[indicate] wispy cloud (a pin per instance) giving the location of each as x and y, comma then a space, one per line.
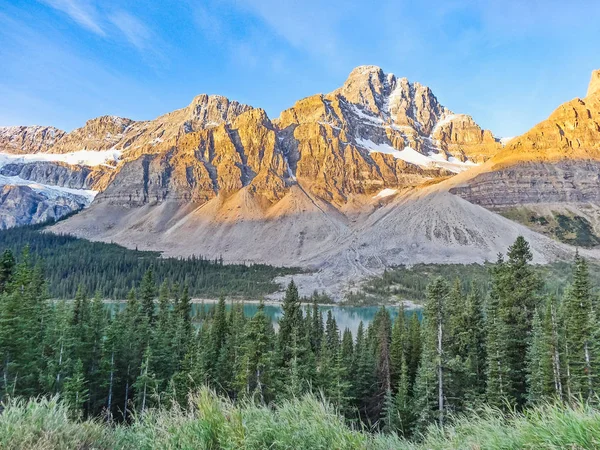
81, 11
310, 26
100, 19
134, 30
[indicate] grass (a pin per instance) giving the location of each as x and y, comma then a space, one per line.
548, 426
210, 422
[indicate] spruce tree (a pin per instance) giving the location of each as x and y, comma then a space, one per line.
430, 382
579, 325
403, 403
413, 348
255, 376
397, 347
515, 292
291, 320
75, 390
147, 294
364, 386
539, 361
7, 266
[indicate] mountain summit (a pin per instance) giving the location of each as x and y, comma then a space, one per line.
345, 183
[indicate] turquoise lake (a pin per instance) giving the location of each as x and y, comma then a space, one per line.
345, 316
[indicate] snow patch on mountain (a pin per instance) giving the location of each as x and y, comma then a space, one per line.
447, 119
412, 156
362, 115
83, 196
385, 193
82, 157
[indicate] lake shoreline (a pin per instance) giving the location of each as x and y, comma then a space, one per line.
408, 304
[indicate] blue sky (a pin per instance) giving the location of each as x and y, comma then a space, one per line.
507, 63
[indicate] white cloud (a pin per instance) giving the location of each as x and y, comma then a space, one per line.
311, 26
138, 34
82, 12
108, 23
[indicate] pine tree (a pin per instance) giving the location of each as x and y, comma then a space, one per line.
75, 391
317, 328
464, 348
397, 347
497, 367
364, 386
430, 383
539, 359
291, 320
147, 294
413, 348
58, 350
164, 339
184, 309
255, 374
579, 328
515, 288
7, 266
332, 333
403, 404
347, 350
146, 385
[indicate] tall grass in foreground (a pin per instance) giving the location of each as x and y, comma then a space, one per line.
210, 422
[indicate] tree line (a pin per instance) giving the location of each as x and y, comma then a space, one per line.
113, 270
509, 346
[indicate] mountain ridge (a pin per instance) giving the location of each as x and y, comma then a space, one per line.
345, 183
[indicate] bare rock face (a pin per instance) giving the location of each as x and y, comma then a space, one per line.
594, 85
374, 132
377, 131
460, 136
552, 169
571, 132
344, 183
154, 136
218, 160
566, 181
33, 139
22, 205
101, 133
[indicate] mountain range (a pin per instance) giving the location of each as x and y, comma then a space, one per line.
374, 174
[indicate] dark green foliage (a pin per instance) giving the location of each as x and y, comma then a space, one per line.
410, 283
564, 226
507, 347
113, 270
514, 299
575, 230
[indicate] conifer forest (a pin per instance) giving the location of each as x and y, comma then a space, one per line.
508, 347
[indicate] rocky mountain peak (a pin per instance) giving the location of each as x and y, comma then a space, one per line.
100, 133
211, 110
28, 139
594, 85
393, 99
108, 124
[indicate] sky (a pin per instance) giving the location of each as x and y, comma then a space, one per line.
507, 63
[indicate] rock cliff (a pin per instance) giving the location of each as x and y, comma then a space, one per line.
345, 183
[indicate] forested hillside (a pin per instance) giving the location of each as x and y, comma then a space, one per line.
112, 270
403, 282
510, 348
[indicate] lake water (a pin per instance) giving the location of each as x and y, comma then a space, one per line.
345, 316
